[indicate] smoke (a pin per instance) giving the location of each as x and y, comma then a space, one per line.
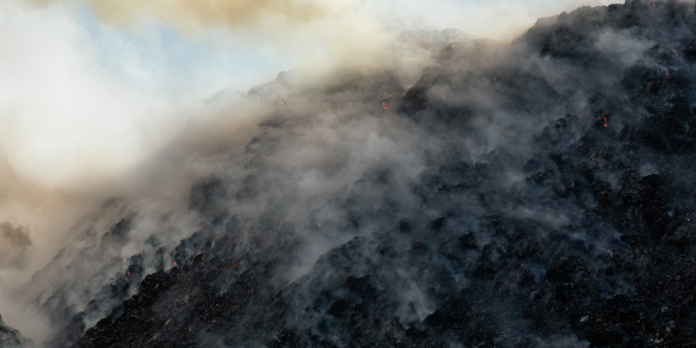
276, 17
495, 19
68, 129
16, 240
74, 134
16, 236
197, 14
106, 126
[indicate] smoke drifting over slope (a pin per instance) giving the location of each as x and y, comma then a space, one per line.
15, 241
536, 194
71, 129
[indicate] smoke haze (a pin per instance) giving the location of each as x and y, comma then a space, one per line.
75, 133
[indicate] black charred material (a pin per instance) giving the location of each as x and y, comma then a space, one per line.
575, 230
11, 338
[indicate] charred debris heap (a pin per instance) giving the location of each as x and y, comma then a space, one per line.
554, 207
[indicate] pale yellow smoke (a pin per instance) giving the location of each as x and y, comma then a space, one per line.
70, 132
197, 13
318, 33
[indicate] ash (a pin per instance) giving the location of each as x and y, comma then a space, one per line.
536, 194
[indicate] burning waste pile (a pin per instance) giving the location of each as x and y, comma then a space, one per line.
10, 337
536, 194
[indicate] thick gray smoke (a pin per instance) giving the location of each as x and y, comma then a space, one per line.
324, 204
16, 239
321, 166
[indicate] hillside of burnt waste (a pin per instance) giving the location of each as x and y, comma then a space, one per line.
534, 194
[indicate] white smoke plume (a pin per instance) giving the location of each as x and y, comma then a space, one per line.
73, 134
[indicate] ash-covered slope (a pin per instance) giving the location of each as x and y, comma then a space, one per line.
11, 338
539, 194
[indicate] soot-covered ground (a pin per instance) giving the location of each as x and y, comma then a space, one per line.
574, 227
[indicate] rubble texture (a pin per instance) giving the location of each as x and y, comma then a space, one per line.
11, 338
537, 194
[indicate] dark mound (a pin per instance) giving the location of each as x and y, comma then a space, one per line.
552, 206
11, 338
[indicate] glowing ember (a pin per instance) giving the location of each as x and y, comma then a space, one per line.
175, 264
602, 117
386, 106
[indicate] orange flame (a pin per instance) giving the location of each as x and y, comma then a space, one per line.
175, 264
604, 118
386, 106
